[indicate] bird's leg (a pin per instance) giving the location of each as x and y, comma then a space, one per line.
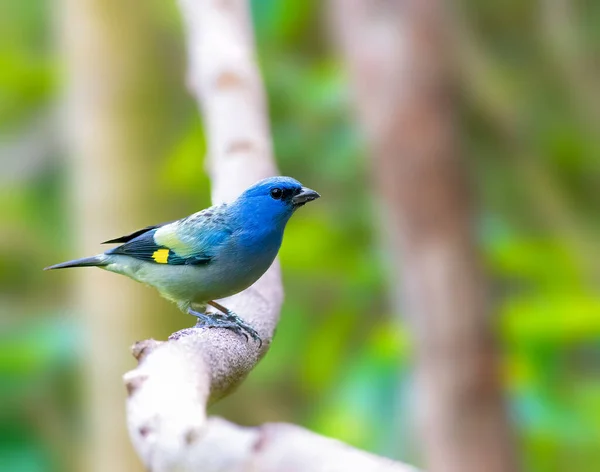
186, 307
231, 317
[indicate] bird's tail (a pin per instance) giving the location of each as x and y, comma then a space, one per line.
94, 261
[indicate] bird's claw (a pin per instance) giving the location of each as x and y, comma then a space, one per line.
244, 328
228, 321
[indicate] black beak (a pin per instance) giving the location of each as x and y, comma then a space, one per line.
305, 195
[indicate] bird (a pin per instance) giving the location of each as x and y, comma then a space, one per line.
212, 254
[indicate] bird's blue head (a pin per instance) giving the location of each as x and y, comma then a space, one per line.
272, 201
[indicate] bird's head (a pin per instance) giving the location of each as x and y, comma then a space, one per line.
276, 198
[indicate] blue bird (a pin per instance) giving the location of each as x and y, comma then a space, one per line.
211, 254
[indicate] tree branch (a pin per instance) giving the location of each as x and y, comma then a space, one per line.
175, 380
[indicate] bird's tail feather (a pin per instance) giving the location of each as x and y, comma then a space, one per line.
94, 261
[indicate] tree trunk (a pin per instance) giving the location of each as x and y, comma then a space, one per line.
114, 119
398, 56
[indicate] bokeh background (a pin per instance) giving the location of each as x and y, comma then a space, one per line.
341, 361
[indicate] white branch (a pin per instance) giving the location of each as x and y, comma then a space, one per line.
175, 380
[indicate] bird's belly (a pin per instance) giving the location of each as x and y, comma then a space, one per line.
180, 283
197, 283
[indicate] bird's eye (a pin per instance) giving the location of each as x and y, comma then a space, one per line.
276, 193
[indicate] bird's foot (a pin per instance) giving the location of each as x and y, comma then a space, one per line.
227, 320
231, 317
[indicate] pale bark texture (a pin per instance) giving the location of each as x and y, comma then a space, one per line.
398, 54
175, 380
113, 123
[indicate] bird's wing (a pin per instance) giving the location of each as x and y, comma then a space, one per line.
194, 240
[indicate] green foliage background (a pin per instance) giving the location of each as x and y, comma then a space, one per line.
339, 364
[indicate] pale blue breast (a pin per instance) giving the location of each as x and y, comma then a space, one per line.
244, 259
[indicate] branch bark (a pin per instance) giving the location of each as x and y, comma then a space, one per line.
175, 380
398, 56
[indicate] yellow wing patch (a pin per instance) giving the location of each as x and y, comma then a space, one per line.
161, 256
166, 236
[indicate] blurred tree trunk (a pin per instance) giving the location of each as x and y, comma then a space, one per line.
115, 116
398, 57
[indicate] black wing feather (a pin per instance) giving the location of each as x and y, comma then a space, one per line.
135, 234
142, 247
